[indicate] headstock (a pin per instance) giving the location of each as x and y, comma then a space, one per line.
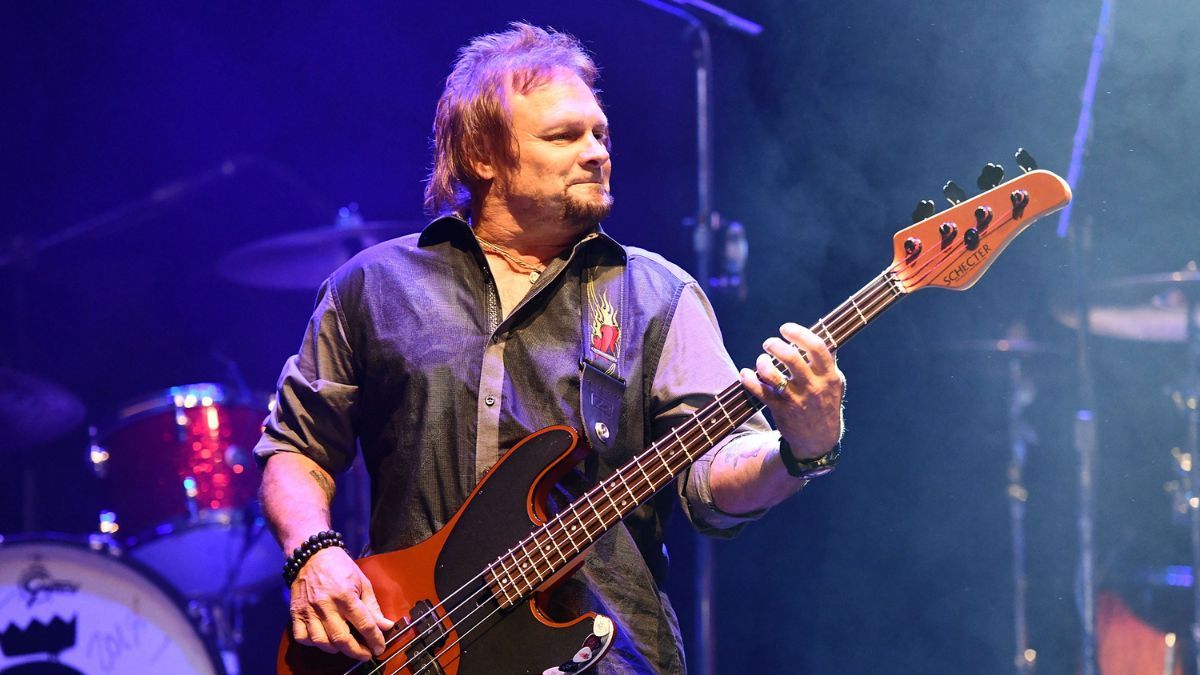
952, 249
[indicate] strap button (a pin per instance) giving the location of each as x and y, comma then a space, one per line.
602, 430
490, 401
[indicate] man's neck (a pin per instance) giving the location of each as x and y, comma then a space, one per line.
529, 237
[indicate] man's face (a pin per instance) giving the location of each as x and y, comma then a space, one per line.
563, 165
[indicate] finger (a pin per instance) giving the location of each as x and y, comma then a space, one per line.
751, 383
368, 595
820, 359
340, 638
774, 381
317, 637
300, 632
363, 620
791, 357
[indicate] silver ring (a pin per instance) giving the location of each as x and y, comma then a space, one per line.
783, 383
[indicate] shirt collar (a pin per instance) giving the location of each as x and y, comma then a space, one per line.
453, 228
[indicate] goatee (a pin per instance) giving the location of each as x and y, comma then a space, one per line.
586, 213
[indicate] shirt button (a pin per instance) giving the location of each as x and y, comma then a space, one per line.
490, 401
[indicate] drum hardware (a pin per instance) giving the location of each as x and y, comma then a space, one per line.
1017, 348
302, 260
222, 620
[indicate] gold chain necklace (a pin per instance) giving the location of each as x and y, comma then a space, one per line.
535, 271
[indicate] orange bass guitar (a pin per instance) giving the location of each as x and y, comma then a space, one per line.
468, 598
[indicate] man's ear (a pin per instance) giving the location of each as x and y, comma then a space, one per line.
483, 170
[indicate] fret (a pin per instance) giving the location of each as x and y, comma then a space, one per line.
829, 341
721, 406
580, 523
521, 566
508, 576
683, 446
528, 564
615, 505
501, 585
637, 461
625, 484
658, 452
556, 548
700, 423
599, 517
865, 320
542, 550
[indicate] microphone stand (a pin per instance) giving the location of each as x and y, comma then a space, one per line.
707, 226
1085, 423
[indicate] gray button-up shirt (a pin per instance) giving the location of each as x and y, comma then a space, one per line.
407, 358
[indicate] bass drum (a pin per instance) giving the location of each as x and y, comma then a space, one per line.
68, 609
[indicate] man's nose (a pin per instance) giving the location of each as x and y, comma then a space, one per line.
596, 152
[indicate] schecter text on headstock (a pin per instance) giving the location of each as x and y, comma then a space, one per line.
976, 257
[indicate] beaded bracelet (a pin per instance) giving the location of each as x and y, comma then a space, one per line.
296, 561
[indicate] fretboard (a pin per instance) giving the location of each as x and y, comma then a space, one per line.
572, 530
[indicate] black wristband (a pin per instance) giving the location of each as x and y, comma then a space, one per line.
808, 468
300, 556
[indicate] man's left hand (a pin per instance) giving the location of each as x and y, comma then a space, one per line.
807, 407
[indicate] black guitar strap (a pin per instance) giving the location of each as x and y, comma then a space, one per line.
603, 290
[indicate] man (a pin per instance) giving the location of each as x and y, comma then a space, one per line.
435, 352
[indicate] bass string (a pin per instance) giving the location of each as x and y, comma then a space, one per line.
871, 298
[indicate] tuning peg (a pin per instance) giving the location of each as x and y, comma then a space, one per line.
924, 209
990, 177
954, 194
1025, 160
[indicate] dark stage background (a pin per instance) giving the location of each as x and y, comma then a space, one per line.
829, 127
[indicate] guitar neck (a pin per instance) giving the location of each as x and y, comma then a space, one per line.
553, 546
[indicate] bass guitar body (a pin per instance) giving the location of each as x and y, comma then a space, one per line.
452, 616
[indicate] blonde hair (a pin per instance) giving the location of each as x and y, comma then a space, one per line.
473, 124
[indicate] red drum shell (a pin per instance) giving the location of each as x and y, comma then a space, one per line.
176, 454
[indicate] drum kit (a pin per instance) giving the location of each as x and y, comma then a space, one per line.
181, 545
1152, 308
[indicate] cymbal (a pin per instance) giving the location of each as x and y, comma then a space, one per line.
1143, 323
302, 260
1125, 312
34, 411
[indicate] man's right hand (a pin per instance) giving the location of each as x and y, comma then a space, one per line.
330, 596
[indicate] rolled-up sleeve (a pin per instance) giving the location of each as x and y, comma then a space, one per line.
693, 367
317, 394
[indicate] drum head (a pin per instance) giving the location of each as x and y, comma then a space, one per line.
67, 609
213, 555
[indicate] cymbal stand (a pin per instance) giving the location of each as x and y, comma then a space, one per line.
1020, 435
221, 619
1192, 451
